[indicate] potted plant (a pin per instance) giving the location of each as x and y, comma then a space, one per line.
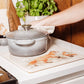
31, 10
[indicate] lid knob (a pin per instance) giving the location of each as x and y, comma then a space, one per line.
26, 27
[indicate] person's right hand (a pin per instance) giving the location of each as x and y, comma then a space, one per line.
42, 22
36, 23
43, 26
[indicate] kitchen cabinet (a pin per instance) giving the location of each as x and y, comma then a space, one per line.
79, 80
78, 30
63, 32
74, 78
73, 33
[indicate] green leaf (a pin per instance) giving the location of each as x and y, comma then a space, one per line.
52, 1
18, 3
17, 9
31, 12
51, 7
20, 13
24, 19
37, 13
35, 7
25, 3
35, 4
40, 6
23, 9
55, 8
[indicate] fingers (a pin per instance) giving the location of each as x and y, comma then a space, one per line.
43, 26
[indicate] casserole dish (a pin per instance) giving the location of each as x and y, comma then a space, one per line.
27, 43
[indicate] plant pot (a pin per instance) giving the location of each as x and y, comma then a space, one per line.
29, 19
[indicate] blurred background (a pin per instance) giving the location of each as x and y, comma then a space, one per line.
73, 33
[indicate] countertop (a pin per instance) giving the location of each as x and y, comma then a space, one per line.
45, 75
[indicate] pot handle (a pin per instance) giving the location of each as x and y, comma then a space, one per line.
24, 42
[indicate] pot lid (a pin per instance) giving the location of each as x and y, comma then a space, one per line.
25, 35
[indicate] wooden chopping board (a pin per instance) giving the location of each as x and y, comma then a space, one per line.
12, 16
3, 77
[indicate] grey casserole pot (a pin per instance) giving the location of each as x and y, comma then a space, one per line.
27, 43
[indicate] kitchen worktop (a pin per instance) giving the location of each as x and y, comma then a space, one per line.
45, 75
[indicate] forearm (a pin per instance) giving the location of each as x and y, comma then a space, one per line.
71, 15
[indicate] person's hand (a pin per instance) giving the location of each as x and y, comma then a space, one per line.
35, 23
38, 23
43, 26
42, 22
